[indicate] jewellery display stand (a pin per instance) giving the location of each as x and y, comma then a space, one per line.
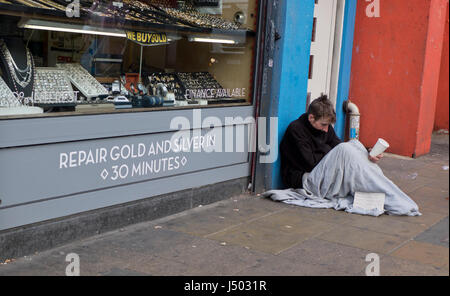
20, 78
17, 65
175, 91
52, 87
170, 80
198, 80
21, 110
85, 82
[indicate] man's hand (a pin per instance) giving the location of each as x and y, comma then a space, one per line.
375, 159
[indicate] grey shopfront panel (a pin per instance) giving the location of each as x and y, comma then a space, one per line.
62, 166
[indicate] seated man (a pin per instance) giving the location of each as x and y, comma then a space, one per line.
307, 140
323, 172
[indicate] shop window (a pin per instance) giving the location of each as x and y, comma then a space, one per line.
60, 58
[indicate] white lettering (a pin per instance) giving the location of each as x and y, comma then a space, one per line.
373, 269
136, 170
82, 157
63, 157
159, 148
141, 150
151, 150
72, 159
167, 146
373, 9
103, 154
73, 269
73, 9
90, 157
125, 155
114, 156
269, 152
177, 162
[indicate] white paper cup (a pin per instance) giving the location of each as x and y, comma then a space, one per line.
379, 147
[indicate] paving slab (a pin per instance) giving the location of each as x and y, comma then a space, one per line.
279, 266
157, 266
437, 234
151, 241
95, 258
363, 239
20, 268
212, 257
392, 266
432, 199
290, 222
409, 182
387, 224
433, 194
424, 253
437, 169
442, 185
258, 238
339, 258
223, 216
273, 233
391, 163
325, 215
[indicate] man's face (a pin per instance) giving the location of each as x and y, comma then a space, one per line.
321, 124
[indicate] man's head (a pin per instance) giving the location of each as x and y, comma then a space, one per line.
321, 113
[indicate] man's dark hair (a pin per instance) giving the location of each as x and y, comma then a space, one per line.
322, 108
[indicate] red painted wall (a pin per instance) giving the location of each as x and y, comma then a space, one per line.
442, 106
430, 77
395, 72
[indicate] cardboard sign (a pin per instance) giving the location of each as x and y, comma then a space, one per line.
147, 39
369, 201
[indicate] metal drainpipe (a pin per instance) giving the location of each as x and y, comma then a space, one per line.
352, 110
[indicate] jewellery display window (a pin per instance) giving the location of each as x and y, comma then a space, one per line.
60, 57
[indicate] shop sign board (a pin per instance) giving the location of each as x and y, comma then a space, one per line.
43, 172
146, 38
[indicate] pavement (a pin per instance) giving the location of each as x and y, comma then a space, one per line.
249, 235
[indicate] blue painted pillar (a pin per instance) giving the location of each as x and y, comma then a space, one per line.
291, 67
345, 66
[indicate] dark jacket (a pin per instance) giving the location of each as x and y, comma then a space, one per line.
302, 148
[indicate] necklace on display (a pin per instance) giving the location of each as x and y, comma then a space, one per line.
20, 76
7, 98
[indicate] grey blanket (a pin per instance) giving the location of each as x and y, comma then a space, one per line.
345, 170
